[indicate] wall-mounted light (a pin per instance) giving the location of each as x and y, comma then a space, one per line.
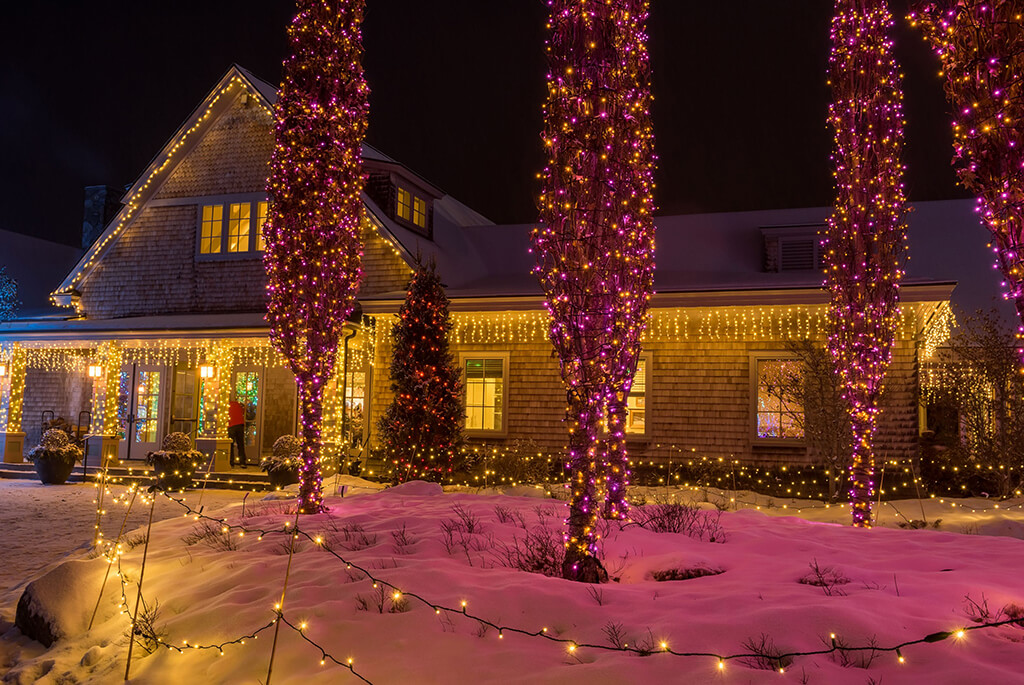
95, 371
205, 371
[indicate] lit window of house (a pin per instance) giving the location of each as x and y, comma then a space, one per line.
636, 402
210, 229
419, 212
484, 382
238, 227
262, 209
404, 209
779, 408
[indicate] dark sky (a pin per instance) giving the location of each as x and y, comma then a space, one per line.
89, 92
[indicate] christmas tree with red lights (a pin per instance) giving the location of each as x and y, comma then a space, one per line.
422, 427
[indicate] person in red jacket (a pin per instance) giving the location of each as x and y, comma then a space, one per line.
236, 431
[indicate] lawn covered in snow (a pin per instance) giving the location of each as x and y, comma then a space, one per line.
730, 582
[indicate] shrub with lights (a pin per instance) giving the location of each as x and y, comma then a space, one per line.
595, 250
980, 44
867, 230
422, 428
312, 231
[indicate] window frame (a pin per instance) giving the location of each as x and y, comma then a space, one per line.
762, 356
225, 201
648, 359
484, 354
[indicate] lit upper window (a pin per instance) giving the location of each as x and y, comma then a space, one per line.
404, 210
780, 412
238, 227
262, 209
209, 235
419, 212
485, 393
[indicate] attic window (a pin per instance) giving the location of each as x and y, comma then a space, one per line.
231, 229
412, 210
404, 207
419, 212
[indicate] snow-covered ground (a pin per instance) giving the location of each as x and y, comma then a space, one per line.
882, 587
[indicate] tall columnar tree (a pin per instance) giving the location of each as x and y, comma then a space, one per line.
980, 44
313, 228
595, 250
866, 232
422, 427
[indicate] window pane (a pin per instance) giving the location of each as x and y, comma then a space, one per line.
635, 422
404, 209
419, 213
262, 208
238, 227
779, 398
210, 229
485, 390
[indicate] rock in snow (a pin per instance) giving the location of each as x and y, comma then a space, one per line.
60, 603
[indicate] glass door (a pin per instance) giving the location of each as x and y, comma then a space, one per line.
139, 409
183, 404
246, 386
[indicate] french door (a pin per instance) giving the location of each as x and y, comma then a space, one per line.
140, 409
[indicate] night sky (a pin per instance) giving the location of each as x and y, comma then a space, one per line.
89, 92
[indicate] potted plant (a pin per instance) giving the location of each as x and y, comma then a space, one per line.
55, 457
175, 463
282, 466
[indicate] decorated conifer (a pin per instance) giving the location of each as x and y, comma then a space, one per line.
423, 426
313, 228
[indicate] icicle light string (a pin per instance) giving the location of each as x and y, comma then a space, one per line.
571, 645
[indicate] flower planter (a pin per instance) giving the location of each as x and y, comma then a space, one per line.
171, 474
53, 471
281, 478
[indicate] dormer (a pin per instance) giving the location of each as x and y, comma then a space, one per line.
405, 197
793, 248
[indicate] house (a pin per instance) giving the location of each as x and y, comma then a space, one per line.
164, 316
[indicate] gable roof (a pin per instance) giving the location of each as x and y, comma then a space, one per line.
235, 82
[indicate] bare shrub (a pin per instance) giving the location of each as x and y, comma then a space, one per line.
827, 578
146, 633
211, 535
353, 537
615, 633
540, 550
402, 540
596, 594
848, 657
764, 655
381, 598
673, 517
470, 522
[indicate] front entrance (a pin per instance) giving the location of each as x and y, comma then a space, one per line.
140, 409
246, 389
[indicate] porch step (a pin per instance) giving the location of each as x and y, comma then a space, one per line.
139, 472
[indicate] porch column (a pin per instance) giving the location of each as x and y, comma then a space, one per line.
104, 401
222, 361
12, 438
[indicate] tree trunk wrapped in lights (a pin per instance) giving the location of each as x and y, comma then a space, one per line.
595, 251
313, 228
980, 44
866, 232
422, 427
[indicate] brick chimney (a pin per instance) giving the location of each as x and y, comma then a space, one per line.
102, 203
